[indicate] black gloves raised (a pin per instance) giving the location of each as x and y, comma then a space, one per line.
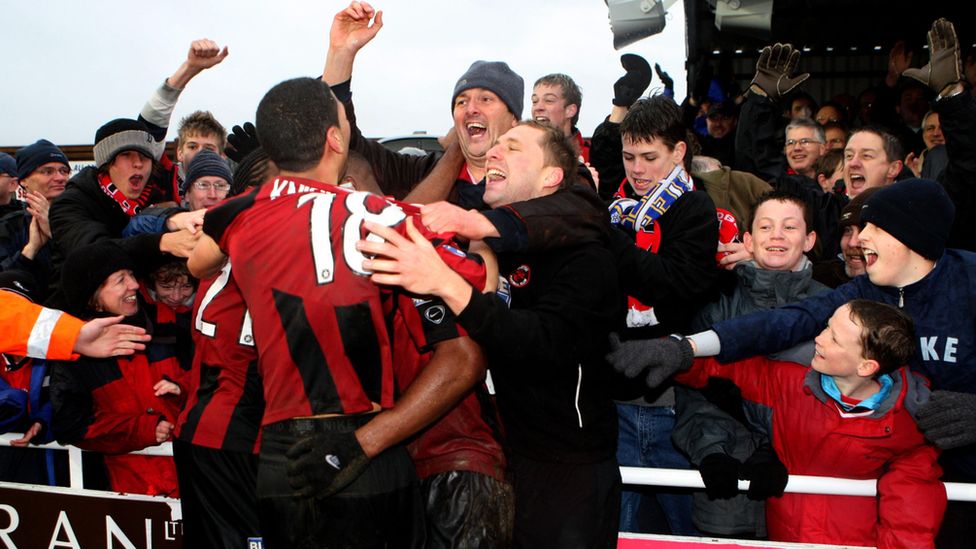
665, 77
776, 64
948, 419
324, 463
631, 86
241, 141
660, 358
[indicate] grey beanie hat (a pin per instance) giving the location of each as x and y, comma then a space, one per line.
497, 77
125, 134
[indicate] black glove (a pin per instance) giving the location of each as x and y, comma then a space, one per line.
631, 86
241, 141
720, 472
660, 358
324, 463
945, 62
766, 474
776, 64
665, 77
948, 419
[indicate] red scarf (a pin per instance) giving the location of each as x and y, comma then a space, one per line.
129, 206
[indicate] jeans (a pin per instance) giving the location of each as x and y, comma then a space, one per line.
645, 441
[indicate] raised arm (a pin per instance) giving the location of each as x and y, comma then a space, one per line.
158, 109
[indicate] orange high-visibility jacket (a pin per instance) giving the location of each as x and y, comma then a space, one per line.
36, 331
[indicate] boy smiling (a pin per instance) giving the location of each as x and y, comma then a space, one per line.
849, 415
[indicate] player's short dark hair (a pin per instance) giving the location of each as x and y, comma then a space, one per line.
253, 170
292, 121
656, 117
887, 334
783, 196
558, 151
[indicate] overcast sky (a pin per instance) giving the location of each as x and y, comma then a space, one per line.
71, 66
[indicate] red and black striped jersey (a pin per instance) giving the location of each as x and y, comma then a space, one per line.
464, 439
226, 400
319, 327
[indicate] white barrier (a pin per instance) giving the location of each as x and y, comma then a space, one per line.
798, 484
678, 478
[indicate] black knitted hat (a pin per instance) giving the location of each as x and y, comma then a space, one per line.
37, 154
917, 212
86, 269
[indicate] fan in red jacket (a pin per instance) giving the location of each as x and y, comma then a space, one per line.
117, 405
850, 415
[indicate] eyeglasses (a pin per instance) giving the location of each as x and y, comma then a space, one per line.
50, 170
204, 186
790, 143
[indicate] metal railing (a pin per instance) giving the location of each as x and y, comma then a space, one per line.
676, 478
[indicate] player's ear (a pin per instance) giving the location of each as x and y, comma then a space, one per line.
334, 141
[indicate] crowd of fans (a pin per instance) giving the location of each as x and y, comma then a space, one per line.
340, 369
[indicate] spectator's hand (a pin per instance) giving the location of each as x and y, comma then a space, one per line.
105, 337
166, 387
179, 243
659, 358
720, 473
204, 54
38, 206
191, 221
945, 66
948, 419
914, 163
324, 463
593, 173
36, 239
241, 141
665, 77
164, 430
774, 69
411, 263
766, 474
899, 60
734, 253
351, 29
444, 217
29, 434
629, 87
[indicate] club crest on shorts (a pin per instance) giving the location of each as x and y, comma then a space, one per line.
520, 276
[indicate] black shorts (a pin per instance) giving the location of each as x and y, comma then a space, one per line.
381, 508
565, 505
468, 509
217, 494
